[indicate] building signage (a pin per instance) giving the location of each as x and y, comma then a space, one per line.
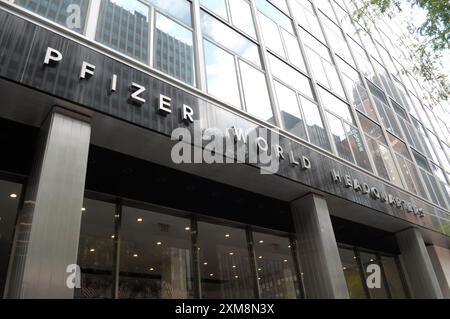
366, 190
137, 97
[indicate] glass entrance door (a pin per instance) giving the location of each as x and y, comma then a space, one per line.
9, 204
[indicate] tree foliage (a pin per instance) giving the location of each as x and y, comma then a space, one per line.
427, 44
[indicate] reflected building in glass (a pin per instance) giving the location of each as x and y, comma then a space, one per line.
112, 176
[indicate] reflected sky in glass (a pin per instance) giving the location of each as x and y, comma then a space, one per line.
221, 74
174, 29
180, 9
229, 38
133, 6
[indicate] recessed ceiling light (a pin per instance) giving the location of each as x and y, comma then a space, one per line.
261, 241
260, 257
259, 269
13, 195
234, 267
231, 254
211, 275
188, 228
289, 246
227, 235
159, 243
83, 209
345, 268
285, 260
135, 255
152, 269
92, 250
237, 277
205, 263
113, 236
371, 260
140, 220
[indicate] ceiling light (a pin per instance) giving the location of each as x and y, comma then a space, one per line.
211, 275
285, 260
231, 254
92, 250
259, 269
187, 228
13, 195
152, 269
113, 236
237, 277
261, 241
140, 220
234, 267
159, 243
227, 235
260, 257
205, 263
135, 255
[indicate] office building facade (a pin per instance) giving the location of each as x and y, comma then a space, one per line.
114, 185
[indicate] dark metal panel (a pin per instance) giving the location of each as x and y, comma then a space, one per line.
27, 44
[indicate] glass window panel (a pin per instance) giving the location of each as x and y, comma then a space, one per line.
393, 277
390, 165
155, 256
96, 251
9, 205
371, 259
399, 146
276, 271
180, 9
357, 145
340, 138
242, 16
272, 35
335, 105
353, 276
275, 15
291, 115
317, 134
174, 52
217, 6
230, 38
124, 26
220, 69
304, 12
372, 129
293, 50
290, 76
58, 11
377, 151
256, 95
224, 263
281, 4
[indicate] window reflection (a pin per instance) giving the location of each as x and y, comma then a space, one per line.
179, 9
155, 256
57, 10
229, 38
290, 76
174, 53
353, 276
221, 70
124, 26
96, 251
9, 204
224, 263
393, 277
291, 116
276, 271
255, 92
340, 137
316, 130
